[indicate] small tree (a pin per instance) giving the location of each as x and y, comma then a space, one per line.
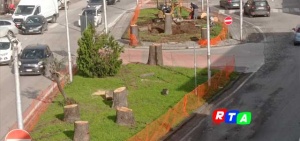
53, 73
98, 55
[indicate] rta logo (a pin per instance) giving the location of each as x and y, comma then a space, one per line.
231, 117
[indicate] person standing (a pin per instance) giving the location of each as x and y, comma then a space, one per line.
195, 11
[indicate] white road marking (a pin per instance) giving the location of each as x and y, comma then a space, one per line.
53, 25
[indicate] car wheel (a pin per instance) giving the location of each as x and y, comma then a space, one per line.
53, 19
10, 34
295, 44
42, 31
250, 15
268, 15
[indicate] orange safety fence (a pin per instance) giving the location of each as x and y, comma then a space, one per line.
133, 39
214, 41
189, 103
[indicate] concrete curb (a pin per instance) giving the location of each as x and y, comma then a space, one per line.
203, 107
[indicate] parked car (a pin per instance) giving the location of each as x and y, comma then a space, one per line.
7, 49
34, 24
257, 7
296, 38
92, 12
8, 27
230, 4
34, 59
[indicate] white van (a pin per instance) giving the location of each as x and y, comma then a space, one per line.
46, 8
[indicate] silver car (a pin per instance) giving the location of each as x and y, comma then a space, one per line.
296, 38
8, 27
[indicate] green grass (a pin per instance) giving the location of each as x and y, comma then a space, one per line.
144, 98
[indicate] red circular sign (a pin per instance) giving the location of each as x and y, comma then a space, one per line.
17, 135
228, 20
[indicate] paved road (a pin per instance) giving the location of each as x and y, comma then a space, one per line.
56, 39
271, 94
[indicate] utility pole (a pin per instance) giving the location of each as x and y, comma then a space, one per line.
202, 5
208, 42
18, 93
137, 2
105, 17
195, 68
241, 20
68, 40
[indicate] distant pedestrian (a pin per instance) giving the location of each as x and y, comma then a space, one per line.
195, 11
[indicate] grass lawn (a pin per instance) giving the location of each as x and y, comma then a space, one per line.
144, 98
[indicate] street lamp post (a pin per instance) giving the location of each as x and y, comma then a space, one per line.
105, 17
208, 42
241, 20
18, 93
68, 39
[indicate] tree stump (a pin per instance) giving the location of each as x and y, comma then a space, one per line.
155, 55
120, 97
125, 116
81, 131
168, 23
109, 95
71, 113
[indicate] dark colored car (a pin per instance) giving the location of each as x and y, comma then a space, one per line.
296, 38
257, 8
34, 24
34, 59
230, 4
92, 3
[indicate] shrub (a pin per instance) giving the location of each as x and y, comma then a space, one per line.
98, 55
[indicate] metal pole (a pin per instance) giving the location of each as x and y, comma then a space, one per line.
208, 42
105, 17
202, 5
137, 2
195, 67
68, 39
241, 20
18, 95
86, 21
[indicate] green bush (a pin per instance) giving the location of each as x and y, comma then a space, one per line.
98, 55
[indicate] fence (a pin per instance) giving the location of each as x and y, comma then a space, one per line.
190, 102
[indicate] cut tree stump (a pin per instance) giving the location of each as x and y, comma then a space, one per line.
155, 55
125, 116
168, 24
71, 113
120, 97
81, 131
109, 95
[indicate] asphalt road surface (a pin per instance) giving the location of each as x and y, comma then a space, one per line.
271, 94
56, 38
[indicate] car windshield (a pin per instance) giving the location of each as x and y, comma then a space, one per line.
89, 12
4, 45
32, 20
32, 54
260, 3
25, 10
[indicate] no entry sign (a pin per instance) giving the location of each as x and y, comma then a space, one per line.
18, 135
228, 20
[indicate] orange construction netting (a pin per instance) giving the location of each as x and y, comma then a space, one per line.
217, 39
133, 39
189, 103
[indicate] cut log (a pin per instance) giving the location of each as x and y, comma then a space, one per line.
120, 97
71, 113
81, 131
109, 95
125, 116
155, 55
